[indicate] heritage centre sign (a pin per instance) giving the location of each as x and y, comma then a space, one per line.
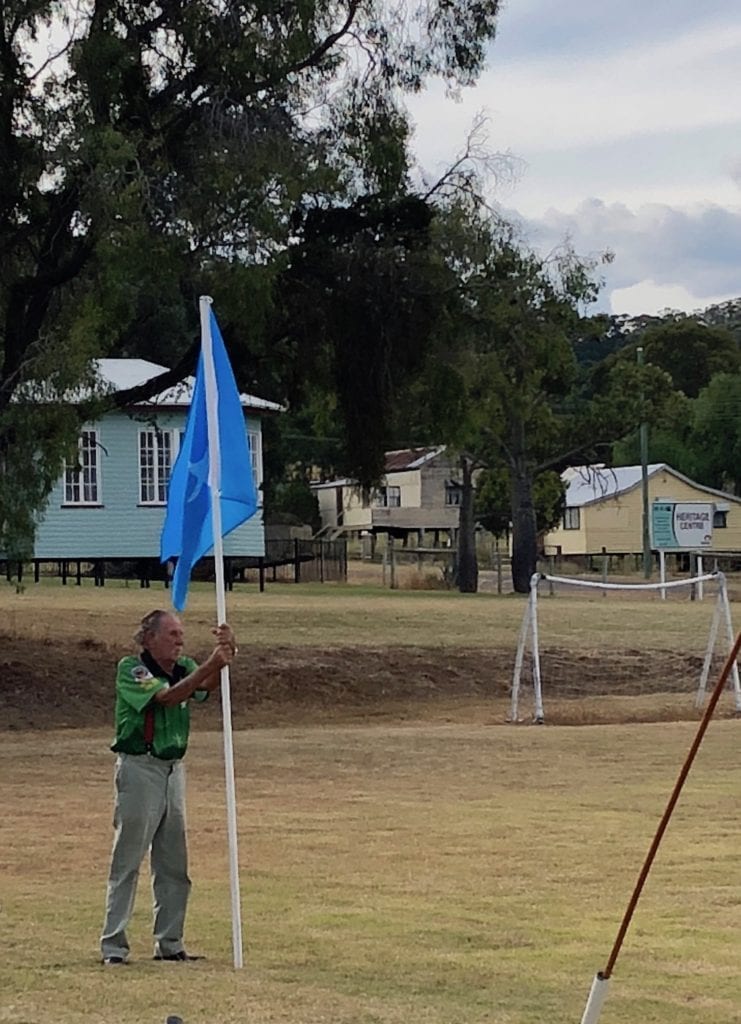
681, 525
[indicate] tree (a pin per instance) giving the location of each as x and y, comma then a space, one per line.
503, 383
715, 438
362, 299
493, 506
519, 370
159, 153
690, 352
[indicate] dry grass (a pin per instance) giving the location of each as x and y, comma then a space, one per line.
340, 616
437, 874
428, 872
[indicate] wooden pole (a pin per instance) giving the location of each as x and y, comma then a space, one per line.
653, 850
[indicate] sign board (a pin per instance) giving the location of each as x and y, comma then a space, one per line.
681, 525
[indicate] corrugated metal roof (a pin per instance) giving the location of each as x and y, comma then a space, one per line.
396, 462
121, 374
410, 458
588, 484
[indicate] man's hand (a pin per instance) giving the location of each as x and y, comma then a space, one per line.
220, 656
225, 637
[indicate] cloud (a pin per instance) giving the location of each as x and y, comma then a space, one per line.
684, 82
629, 103
650, 297
686, 257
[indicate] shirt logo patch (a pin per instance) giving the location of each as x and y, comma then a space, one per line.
143, 676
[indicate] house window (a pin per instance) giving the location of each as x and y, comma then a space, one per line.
453, 493
387, 497
155, 465
720, 519
82, 481
254, 439
572, 519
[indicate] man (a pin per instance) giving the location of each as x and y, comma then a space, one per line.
153, 692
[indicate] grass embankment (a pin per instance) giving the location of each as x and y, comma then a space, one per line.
446, 874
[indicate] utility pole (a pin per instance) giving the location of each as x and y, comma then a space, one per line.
647, 561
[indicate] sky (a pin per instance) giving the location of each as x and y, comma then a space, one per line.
626, 119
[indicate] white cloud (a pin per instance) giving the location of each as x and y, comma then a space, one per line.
628, 124
652, 298
668, 256
689, 82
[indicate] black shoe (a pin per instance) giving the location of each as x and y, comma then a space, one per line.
181, 956
113, 961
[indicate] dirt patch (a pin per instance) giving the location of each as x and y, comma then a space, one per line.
59, 683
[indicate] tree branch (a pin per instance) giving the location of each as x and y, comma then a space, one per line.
565, 457
155, 385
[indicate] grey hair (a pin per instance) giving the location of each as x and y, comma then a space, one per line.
148, 625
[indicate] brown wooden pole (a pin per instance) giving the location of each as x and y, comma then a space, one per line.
712, 702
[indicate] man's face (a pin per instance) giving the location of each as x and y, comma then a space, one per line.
166, 643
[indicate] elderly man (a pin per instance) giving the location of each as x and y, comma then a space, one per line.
153, 691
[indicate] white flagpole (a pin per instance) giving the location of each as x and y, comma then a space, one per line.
214, 481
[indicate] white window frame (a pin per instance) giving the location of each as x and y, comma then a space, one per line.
154, 477
387, 497
572, 518
82, 482
254, 441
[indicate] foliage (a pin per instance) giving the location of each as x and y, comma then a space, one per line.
701, 438
293, 499
716, 433
160, 152
510, 374
691, 353
494, 505
360, 303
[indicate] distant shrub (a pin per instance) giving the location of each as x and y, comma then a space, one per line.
424, 581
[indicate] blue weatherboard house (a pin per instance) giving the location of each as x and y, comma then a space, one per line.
110, 503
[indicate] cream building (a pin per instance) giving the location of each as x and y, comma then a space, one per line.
604, 510
419, 493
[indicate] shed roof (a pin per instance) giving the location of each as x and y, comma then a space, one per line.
121, 374
399, 461
411, 458
586, 485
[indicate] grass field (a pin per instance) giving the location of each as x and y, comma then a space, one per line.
436, 874
357, 616
439, 872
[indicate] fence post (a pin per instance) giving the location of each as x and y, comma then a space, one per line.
296, 562
392, 562
321, 561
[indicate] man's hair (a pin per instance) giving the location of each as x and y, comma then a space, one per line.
148, 625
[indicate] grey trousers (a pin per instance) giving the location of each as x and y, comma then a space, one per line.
149, 815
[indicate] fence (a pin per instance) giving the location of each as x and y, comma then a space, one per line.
296, 560
291, 560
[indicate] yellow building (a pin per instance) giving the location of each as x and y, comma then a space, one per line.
604, 510
419, 492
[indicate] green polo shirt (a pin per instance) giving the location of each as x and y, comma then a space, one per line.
138, 679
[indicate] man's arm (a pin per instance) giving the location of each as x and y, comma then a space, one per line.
205, 677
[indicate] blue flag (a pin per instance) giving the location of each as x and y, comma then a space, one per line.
188, 532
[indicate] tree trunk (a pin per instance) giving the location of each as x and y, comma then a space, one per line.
524, 531
467, 571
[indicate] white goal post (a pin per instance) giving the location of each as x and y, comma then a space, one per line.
529, 660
